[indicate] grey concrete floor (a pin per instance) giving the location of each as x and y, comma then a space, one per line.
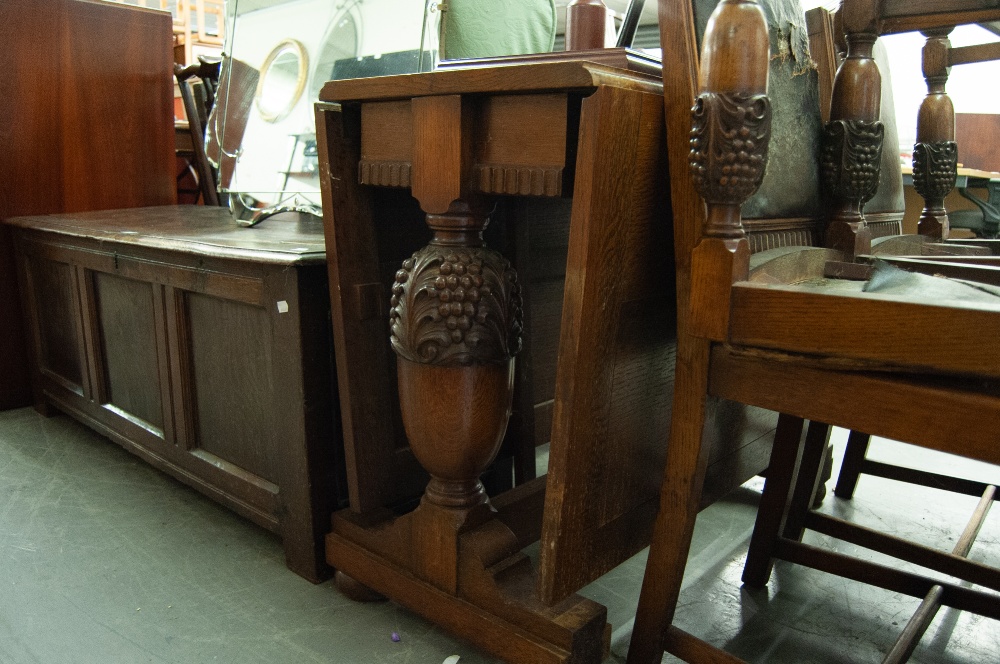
105, 560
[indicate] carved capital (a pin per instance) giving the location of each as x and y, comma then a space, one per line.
456, 306
729, 140
851, 157
935, 167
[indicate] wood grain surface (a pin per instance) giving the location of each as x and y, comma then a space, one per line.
87, 97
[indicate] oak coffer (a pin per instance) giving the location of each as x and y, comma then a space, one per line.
202, 347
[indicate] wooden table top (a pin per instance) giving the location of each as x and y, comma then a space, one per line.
511, 75
196, 229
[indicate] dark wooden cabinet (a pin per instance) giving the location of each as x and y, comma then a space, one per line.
86, 98
202, 347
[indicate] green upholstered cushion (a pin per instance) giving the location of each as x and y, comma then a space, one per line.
487, 28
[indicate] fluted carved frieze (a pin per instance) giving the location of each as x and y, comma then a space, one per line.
518, 179
384, 173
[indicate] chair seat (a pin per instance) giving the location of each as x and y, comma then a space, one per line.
899, 327
961, 415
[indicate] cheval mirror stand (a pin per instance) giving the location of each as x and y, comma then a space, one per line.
564, 161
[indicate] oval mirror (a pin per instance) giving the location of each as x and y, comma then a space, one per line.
340, 43
282, 80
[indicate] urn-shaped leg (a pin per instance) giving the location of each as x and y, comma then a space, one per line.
456, 326
455, 419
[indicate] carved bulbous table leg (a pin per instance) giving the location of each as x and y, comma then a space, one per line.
456, 326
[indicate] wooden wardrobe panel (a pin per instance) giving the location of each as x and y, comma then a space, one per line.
86, 96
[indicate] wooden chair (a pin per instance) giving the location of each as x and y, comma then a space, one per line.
778, 330
199, 98
934, 167
937, 123
936, 155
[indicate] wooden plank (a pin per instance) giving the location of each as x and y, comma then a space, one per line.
903, 18
542, 77
889, 578
363, 358
458, 616
95, 71
797, 320
882, 404
241, 283
616, 349
304, 460
194, 231
968, 54
986, 270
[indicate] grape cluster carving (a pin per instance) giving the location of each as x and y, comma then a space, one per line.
935, 168
456, 307
851, 158
729, 140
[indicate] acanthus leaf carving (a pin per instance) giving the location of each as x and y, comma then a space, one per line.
935, 169
851, 159
455, 307
730, 134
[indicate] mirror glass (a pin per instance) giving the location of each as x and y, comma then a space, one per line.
278, 55
282, 79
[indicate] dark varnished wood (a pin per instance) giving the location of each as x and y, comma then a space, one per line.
204, 355
604, 517
977, 133
92, 127
711, 250
774, 366
533, 77
586, 23
594, 374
